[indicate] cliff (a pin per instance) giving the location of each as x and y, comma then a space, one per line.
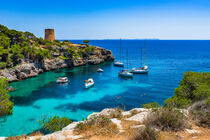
27, 69
23, 55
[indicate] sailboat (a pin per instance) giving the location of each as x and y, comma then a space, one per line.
125, 72
143, 69
90, 82
119, 63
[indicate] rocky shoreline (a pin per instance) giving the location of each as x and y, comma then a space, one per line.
129, 120
31, 69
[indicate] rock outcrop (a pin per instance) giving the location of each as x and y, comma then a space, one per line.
31, 69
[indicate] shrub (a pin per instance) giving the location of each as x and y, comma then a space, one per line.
200, 112
116, 113
151, 105
167, 119
6, 105
86, 41
193, 87
147, 133
62, 57
55, 124
97, 125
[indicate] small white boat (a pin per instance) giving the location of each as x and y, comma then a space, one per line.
141, 70
99, 70
61, 80
119, 64
89, 83
125, 73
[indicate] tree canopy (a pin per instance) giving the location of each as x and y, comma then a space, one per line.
6, 105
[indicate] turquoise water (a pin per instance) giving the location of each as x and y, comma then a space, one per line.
40, 97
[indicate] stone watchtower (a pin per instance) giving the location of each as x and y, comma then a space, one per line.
49, 34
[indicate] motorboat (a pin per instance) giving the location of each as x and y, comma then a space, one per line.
119, 64
89, 83
100, 70
61, 80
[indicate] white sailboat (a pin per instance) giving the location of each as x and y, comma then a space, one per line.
119, 63
125, 72
143, 69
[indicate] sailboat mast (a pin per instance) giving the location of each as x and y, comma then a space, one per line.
141, 57
127, 58
120, 48
145, 51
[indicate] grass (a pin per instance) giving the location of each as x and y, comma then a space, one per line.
96, 125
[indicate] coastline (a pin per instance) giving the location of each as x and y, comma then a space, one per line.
31, 69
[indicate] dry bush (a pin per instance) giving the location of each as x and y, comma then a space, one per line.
200, 112
97, 125
117, 113
22, 137
37, 133
146, 133
167, 119
134, 112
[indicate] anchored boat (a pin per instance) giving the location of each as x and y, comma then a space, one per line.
61, 80
125, 72
89, 83
99, 70
143, 69
119, 63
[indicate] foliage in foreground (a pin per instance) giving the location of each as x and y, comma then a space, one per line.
55, 124
200, 112
6, 105
98, 125
148, 133
151, 105
167, 119
193, 87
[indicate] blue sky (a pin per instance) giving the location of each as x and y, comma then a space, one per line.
110, 19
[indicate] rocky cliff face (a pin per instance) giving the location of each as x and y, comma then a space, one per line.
31, 69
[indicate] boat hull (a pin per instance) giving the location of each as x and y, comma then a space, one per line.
119, 64
89, 85
140, 72
125, 75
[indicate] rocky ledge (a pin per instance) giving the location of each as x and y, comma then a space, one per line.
30, 69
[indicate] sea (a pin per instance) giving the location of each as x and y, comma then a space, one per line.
40, 97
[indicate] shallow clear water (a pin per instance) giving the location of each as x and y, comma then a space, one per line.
40, 97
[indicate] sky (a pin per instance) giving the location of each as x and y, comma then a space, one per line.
110, 19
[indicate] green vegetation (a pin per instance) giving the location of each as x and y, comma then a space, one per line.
193, 87
16, 46
6, 105
55, 124
151, 105
86, 41
167, 119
